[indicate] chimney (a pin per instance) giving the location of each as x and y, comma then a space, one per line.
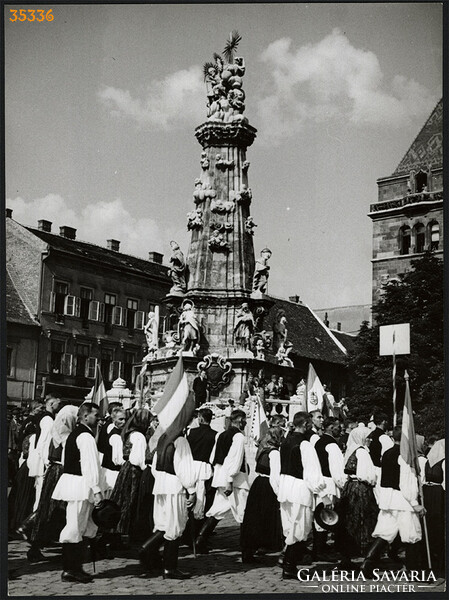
155, 257
67, 232
294, 299
8, 213
338, 326
44, 225
326, 320
114, 245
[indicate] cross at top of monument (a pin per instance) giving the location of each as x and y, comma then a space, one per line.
223, 77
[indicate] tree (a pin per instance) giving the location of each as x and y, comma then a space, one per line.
417, 298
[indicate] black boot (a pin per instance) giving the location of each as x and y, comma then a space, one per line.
71, 564
320, 550
206, 529
34, 554
414, 556
394, 549
171, 570
375, 551
27, 526
289, 570
149, 553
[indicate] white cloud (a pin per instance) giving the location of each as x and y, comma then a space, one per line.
178, 98
333, 79
96, 222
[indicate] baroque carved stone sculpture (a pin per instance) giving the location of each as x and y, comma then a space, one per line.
250, 225
195, 219
178, 270
189, 330
217, 242
243, 328
261, 271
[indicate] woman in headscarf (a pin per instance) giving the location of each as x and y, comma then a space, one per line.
357, 508
145, 498
50, 514
261, 527
126, 489
422, 460
434, 490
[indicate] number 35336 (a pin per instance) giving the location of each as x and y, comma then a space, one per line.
30, 15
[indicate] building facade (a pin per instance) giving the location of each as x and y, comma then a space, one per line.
408, 216
90, 303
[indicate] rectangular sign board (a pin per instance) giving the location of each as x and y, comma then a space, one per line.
395, 337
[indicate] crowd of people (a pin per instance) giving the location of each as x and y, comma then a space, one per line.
324, 490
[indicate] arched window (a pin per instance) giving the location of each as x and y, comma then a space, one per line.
421, 182
420, 237
405, 238
434, 231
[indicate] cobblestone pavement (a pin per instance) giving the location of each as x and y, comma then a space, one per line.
219, 572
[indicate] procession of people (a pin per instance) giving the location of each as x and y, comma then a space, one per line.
324, 489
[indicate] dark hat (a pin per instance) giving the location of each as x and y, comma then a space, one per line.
106, 514
326, 518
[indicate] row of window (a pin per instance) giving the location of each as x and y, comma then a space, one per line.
81, 364
86, 308
417, 240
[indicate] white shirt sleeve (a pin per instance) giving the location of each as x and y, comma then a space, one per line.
43, 443
90, 461
366, 471
233, 461
311, 468
386, 442
408, 482
443, 466
117, 449
336, 465
275, 470
184, 465
138, 447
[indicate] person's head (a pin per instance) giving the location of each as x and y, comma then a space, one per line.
231, 402
52, 403
396, 435
350, 426
138, 421
332, 426
274, 378
202, 373
174, 245
238, 419
317, 419
113, 405
278, 421
300, 421
250, 377
88, 414
280, 380
380, 419
205, 416
118, 417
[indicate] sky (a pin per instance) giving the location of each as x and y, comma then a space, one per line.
101, 105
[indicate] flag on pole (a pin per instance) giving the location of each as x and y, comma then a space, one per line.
174, 408
408, 448
315, 390
99, 395
259, 422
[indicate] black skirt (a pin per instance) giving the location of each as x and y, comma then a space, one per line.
434, 503
357, 510
261, 527
125, 494
21, 498
145, 502
50, 514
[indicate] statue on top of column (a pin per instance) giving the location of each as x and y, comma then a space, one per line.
178, 270
223, 78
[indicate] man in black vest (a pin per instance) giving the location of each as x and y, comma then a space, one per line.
79, 486
378, 443
230, 477
315, 431
333, 470
113, 449
105, 427
174, 476
300, 479
399, 509
202, 441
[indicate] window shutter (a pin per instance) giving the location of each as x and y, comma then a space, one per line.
67, 360
124, 317
91, 365
52, 301
48, 362
94, 310
114, 370
101, 312
138, 319
117, 314
69, 306
77, 306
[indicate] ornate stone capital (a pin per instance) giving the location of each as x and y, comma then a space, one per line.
217, 134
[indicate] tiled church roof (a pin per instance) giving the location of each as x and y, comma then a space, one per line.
427, 147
